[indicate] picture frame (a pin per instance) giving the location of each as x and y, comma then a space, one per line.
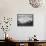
24, 19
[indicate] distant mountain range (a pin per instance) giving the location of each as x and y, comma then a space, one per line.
29, 23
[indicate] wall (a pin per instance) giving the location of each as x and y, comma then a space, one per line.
10, 8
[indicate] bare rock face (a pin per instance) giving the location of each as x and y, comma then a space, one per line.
35, 3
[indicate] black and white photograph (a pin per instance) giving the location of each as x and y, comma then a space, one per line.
24, 19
